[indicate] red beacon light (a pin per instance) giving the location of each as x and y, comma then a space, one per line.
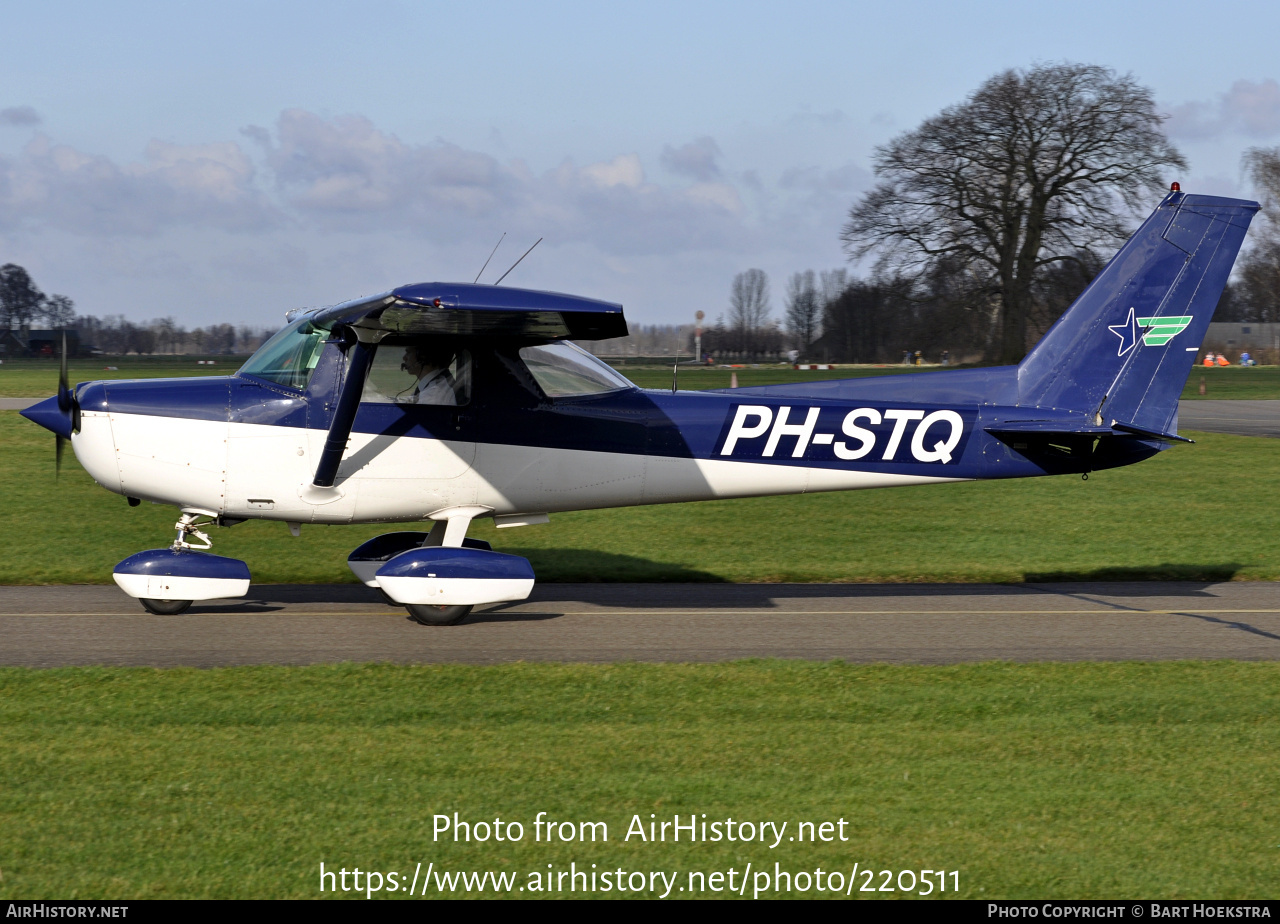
437, 303
1175, 187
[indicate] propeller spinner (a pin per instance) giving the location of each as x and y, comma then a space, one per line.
61, 413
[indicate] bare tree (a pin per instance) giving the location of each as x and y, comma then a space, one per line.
831, 284
804, 309
749, 307
1034, 167
59, 311
1263, 166
166, 335
1256, 291
20, 299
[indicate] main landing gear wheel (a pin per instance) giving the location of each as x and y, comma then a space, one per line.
164, 607
429, 615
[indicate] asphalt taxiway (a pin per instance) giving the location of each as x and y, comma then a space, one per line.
927, 624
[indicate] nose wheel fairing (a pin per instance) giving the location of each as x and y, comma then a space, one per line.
168, 580
174, 575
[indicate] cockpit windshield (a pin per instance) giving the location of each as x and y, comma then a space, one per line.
563, 369
290, 356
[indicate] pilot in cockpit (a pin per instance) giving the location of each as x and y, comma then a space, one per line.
430, 366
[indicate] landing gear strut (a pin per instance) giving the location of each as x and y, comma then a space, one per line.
167, 581
188, 525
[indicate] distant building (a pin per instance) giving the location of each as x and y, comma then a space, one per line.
37, 343
11, 344
1233, 337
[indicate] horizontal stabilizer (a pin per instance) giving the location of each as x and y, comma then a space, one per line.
1047, 428
1149, 434
1064, 430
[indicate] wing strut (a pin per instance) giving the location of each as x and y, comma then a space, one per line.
359, 359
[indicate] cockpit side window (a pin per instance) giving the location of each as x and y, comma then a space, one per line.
422, 372
563, 369
290, 356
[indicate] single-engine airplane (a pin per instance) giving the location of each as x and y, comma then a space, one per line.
448, 402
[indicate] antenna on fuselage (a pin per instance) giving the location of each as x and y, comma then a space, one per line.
517, 263
490, 257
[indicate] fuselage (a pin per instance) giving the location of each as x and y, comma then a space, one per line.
244, 447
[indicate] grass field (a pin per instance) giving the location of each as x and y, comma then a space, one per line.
38, 378
1201, 512
1070, 780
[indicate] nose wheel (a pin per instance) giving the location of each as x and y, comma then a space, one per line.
164, 607
427, 615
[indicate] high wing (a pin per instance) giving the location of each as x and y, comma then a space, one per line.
461, 309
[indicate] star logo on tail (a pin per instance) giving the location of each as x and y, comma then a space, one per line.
1127, 332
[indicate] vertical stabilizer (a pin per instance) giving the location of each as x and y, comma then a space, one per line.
1125, 347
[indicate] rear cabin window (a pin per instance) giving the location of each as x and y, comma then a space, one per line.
563, 369
290, 356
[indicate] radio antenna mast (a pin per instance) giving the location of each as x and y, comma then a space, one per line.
490, 257
517, 263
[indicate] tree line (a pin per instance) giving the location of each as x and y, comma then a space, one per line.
24, 307
837, 316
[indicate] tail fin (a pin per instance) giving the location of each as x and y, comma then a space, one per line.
1123, 350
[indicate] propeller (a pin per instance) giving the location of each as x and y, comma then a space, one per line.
61, 413
66, 403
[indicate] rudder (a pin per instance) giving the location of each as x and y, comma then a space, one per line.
1124, 349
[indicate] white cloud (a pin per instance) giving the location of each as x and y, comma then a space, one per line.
344, 167
623, 170
1248, 108
696, 160
317, 209
19, 116
57, 186
345, 174
842, 180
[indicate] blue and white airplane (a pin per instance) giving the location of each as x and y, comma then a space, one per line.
447, 402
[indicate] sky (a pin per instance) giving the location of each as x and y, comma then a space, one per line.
227, 162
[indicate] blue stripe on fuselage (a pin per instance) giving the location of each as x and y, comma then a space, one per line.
686, 425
